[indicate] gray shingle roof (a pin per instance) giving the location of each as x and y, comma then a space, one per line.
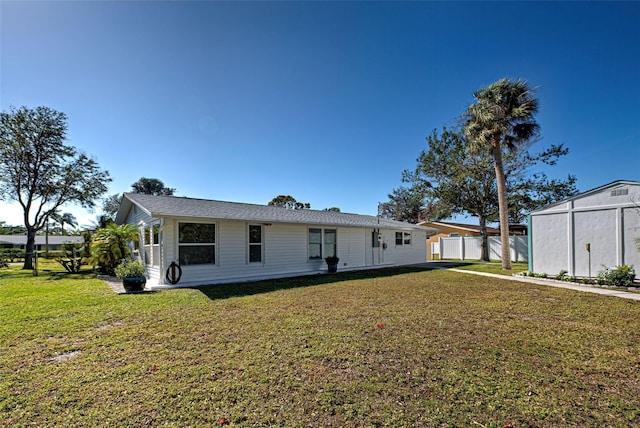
173, 206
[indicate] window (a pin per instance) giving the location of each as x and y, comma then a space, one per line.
454, 235
330, 242
196, 243
315, 244
403, 238
152, 245
255, 244
319, 247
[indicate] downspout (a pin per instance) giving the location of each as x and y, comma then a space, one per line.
529, 244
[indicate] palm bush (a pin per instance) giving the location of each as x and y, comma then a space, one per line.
110, 245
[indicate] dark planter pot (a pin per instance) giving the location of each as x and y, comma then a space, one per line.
333, 268
132, 285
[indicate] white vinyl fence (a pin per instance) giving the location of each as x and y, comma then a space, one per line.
470, 248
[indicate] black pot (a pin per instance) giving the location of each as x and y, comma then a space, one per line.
333, 268
132, 285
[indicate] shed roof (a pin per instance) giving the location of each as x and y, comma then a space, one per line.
174, 206
611, 185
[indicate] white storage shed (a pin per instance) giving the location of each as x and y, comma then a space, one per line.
583, 234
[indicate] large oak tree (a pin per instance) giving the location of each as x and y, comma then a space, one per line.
40, 172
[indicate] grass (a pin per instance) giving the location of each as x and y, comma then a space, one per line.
494, 267
398, 347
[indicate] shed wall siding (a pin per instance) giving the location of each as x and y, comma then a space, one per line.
549, 243
598, 228
631, 231
607, 218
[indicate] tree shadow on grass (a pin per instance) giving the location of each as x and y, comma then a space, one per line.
224, 291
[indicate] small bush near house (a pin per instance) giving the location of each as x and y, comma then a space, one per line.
562, 275
621, 276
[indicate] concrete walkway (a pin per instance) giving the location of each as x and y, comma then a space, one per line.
559, 284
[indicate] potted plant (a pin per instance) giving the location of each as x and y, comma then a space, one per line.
332, 263
133, 275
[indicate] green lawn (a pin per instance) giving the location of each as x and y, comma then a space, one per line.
494, 267
399, 347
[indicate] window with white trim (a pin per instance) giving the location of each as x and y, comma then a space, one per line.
403, 238
322, 243
330, 243
255, 243
152, 245
315, 244
196, 243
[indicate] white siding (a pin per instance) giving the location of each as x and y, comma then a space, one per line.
598, 228
285, 251
549, 241
606, 218
631, 232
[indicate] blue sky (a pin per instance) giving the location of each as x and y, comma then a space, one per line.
326, 101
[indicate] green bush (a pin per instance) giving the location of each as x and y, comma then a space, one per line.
562, 276
131, 269
621, 276
11, 254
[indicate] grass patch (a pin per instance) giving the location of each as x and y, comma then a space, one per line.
495, 267
398, 347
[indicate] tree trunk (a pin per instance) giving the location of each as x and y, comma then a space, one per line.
503, 206
30, 248
484, 254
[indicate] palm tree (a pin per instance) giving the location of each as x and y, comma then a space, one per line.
110, 244
502, 119
66, 218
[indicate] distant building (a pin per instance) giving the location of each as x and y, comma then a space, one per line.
448, 230
55, 241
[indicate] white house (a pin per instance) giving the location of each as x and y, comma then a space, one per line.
584, 233
217, 242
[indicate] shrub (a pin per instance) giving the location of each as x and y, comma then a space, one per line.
621, 276
11, 254
562, 275
131, 269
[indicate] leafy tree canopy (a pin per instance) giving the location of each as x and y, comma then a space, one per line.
148, 186
288, 201
151, 186
110, 206
452, 179
40, 172
405, 204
